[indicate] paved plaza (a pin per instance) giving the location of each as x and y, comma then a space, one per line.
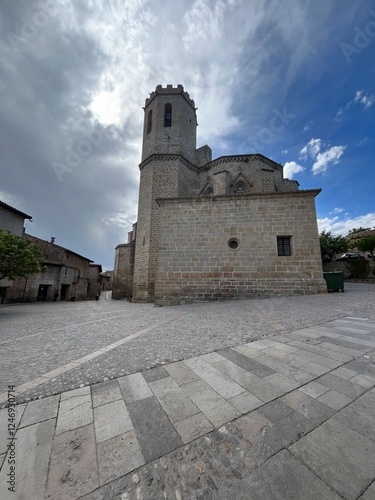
262, 399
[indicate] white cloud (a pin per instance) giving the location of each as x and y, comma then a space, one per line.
284, 151
308, 126
311, 149
332, 155
339, 114
322, 159
337, 210
367, 100
106, 106
122, 219
11, 200
203, 23
291, 168
363, 141
343, 226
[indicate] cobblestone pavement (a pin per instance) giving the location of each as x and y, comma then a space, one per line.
289, 416
48, 348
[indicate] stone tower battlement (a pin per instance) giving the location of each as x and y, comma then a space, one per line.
170, 123
168, 90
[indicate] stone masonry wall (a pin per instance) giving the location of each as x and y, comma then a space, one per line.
195, 262
159, 178
187, 182
122, 287
180, 138
26, 289
261, 174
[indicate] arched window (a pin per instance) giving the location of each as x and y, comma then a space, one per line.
149, 121
240, 188
168, 115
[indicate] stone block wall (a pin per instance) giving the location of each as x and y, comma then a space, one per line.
26, 289
196, 264
122, 285
203, 155
261, 175
159, 179
180, 138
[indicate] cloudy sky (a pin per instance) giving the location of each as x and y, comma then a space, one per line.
291, 80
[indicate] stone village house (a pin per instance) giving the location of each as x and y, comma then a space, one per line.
219, 229
99, 281
11, 220
67, 275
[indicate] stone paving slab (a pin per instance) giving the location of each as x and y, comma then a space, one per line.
340, 456
334, 399
155, 433
250, 365
40, 410
118, 456
32, 455
111, 419
369, 494
20, 409
73, 470
235, 372
159, 431
221, 384
193, 427
216, 409
134, 387
310, 408
360, 416
106, 392
75, 410
172, 398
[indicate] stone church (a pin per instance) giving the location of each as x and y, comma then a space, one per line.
228, 228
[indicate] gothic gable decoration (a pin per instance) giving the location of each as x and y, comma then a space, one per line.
241, 185
208, 190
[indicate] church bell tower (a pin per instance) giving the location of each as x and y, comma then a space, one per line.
169, 144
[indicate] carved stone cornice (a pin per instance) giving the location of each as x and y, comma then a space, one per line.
303, 193
243, 159
222, 160
169, 157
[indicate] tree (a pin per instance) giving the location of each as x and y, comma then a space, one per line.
366, 244
18, 257
330, 245
358, 230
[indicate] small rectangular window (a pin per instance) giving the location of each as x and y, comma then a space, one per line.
284, 247
149, 121
168, 115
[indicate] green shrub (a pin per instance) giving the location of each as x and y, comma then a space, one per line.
358, 269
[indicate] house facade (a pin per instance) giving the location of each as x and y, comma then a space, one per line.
11, 220
228, 228
66, 276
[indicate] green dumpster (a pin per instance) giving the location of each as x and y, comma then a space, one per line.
335, 281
